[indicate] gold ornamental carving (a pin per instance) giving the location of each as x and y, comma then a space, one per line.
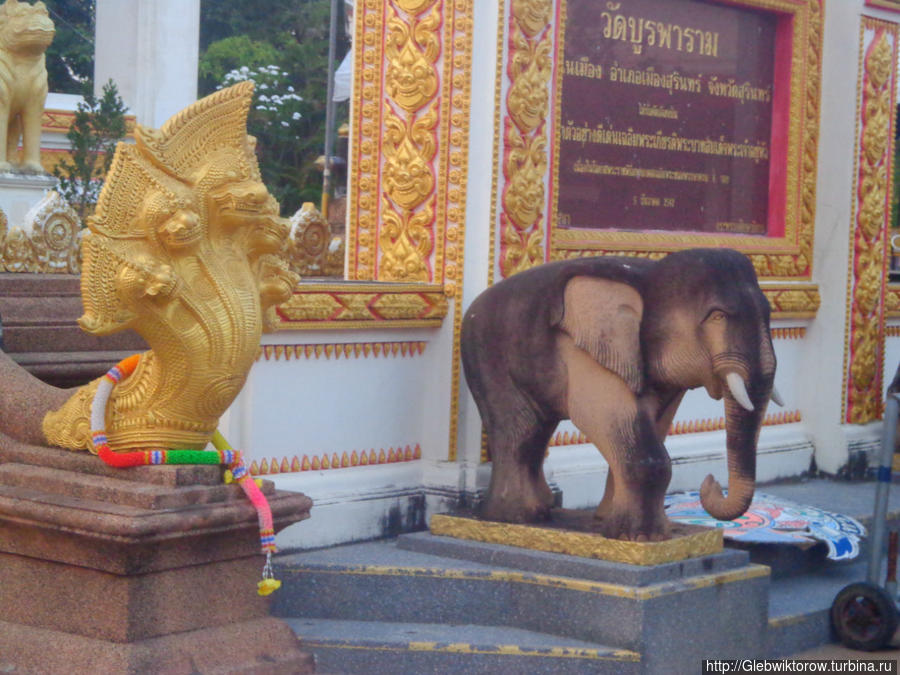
183, 248
407, 191
792, 301
312, 249
361, 305
525, 159
865, 333
412, 49
406, 238
892, 301
698, 542
49, 242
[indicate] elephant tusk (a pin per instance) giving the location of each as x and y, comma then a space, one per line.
776, 397
739, 390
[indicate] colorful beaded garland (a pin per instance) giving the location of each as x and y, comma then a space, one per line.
222, 454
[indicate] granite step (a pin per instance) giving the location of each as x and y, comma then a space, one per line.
378, 647
568, 598
113, 490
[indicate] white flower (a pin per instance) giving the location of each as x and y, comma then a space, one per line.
284, 124
295, 116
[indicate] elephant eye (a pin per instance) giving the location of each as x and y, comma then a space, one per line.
716, 315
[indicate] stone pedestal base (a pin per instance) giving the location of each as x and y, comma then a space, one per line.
260, 647
19, 193
144, 570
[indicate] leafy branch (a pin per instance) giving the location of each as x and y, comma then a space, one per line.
98, 126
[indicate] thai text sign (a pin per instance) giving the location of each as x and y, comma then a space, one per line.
665, 118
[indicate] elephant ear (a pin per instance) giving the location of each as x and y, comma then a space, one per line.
603, 317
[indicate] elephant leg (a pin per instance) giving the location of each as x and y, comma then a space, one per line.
602, 406
605, 506
518, 491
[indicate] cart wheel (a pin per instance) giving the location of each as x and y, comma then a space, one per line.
864, 616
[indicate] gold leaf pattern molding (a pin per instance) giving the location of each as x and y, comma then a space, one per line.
412, 47
868, 264
525, 157
793, 301
337, 350
362, 306
325, 461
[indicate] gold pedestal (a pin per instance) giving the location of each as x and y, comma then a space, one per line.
569, 532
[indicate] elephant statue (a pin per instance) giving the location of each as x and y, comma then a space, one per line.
613, 344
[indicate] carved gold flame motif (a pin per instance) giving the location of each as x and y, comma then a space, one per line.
183, 249
525, 159
863, 401
406, 236
532, 15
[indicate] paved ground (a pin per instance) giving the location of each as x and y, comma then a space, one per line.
856, 499
841, 652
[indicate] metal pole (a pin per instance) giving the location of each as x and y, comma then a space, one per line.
329, 109
888, 440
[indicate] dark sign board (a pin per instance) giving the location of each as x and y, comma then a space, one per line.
666, 117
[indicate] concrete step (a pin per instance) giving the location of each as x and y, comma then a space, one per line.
621, 607
379, 647
420, 589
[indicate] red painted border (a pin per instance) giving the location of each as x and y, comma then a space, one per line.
781, 107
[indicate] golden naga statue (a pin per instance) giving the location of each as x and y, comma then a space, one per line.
184, 249
25, 33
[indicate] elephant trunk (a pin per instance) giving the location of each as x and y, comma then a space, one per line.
745, 407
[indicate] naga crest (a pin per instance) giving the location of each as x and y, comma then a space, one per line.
184, 249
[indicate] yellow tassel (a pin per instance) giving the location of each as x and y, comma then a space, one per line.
268, 586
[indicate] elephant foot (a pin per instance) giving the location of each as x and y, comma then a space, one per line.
630, 525
512, 510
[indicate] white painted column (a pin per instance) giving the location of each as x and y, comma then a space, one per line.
150, 49
824, 353
479, 198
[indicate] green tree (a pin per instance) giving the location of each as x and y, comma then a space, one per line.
292, 35
98, 126
70, 57
229, 54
